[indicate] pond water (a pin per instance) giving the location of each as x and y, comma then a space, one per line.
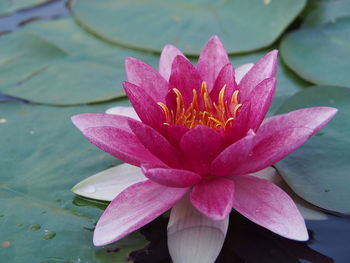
50, 10
247, 242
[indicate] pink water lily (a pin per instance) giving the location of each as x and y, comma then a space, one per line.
198, 133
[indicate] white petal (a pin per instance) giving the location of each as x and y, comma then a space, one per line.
241, 71
193, 237
106, 185
307, 210
124, 111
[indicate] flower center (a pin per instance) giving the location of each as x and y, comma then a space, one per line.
202, 111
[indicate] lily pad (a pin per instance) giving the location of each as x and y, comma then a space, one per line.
325, 11
288, 83
69, 36
42, 156
8, 6
71, 80
319, 170
149, 25
326, 63
58, 63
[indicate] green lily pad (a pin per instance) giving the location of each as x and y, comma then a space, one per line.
288, 83
64, 67
42, 156
319, 170
8, 6
325, 11
67, 35
72, 80
149, 25
320, 55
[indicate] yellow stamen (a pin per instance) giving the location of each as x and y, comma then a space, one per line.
221, 96
234, 99
218, 115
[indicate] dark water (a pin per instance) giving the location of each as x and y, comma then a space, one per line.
50, 10
248, 243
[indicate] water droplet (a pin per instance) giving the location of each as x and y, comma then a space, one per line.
48, 235
89, 189
35, 227
32, 132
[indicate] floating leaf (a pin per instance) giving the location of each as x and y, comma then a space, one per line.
149, 25
319, 170
325, 11
320, 55
57, 63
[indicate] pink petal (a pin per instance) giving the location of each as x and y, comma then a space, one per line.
89, 120
212, 59
241, 71
200, 146
268, 206
147, 78
263, 69
307, 210
193, 237
228, 160
171, 177
260, 101
166, 60
225, 77
240, 127
146, 107
278, 136
157, 144
174, 133
185, 78
106, 185
133, 208
123, 111
121, 144
213, 197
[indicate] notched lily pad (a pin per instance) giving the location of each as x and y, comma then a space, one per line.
58, 63
319, 170
149, 25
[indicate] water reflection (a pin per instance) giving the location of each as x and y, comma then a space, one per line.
245, 243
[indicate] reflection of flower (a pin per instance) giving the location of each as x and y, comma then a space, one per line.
198, 132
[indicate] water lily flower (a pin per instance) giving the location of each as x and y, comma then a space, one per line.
193, 139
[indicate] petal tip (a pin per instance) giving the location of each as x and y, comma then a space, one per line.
300, 235
79, 121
